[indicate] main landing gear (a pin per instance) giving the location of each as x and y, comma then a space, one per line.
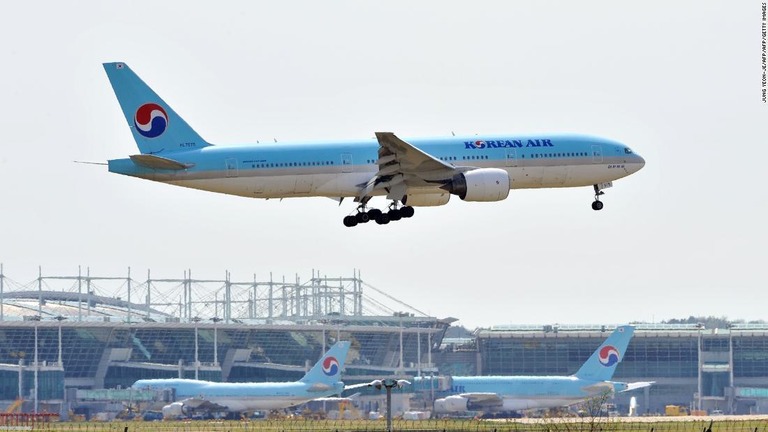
380, 217
597, 204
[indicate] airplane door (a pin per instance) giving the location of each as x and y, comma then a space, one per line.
511, 157
346, 162
303, 184
597, 154
231, 165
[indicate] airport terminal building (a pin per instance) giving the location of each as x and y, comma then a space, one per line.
63, 337
66, 337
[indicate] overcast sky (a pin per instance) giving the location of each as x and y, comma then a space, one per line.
679, 82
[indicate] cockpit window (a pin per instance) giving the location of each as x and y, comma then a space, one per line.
627, 150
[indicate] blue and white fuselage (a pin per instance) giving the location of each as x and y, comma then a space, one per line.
412, 172
517, 393
336, 170
241, 397
525, 392
322, 380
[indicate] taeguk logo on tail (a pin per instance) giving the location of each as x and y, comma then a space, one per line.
330, 366
150, 120
608, 356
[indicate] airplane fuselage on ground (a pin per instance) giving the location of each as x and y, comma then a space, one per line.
239, 397
516, 393
530, 392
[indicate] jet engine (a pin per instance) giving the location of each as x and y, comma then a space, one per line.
427, 200
450, 404
175, 410
483, 184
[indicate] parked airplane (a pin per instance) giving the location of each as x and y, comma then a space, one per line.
416, 172
324, 379
516, 393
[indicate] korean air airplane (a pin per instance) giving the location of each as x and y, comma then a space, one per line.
517, 393
324, 379
408, 173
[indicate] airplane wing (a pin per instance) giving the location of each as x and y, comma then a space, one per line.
402, 165
319, 387
197, 403
639, 385
483, 398
601, 386
354, 386
379, 383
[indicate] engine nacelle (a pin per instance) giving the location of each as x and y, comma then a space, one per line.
451, 404
175, 410
427, 200
484, 184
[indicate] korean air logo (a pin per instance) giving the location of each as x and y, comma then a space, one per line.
150, 120
330, 366
480, 144
608, 356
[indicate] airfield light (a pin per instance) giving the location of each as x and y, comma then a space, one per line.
388, 384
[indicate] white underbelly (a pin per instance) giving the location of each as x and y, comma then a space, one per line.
239, 404
536, 403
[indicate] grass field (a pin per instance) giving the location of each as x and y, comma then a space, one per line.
688, 424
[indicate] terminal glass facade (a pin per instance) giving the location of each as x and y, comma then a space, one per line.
750, 356
563, 354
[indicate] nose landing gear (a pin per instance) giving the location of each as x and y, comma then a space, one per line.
597, 204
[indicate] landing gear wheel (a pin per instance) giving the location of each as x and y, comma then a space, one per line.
597, 205
350, 221
374, 213
383, 219
362, 217
406, 211
394, 215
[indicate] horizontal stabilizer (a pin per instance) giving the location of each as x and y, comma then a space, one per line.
157, 162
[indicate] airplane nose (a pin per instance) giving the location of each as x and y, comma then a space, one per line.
640, 162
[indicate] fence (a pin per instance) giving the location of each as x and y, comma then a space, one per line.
526, 425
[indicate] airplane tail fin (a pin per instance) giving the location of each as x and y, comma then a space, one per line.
603, 362
327, 371
155, 126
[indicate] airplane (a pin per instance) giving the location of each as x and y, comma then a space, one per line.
409, 173
324, 379
518, 393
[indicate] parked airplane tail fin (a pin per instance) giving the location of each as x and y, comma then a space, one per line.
603, 362
156, 127
327, 370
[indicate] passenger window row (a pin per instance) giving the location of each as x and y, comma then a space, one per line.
291, 164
